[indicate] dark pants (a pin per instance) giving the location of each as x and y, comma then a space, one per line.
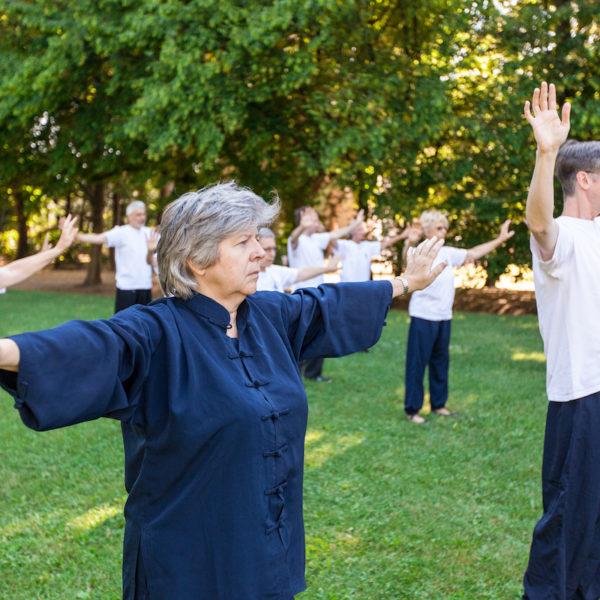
126, 298
564, 562
311, 367
428, 345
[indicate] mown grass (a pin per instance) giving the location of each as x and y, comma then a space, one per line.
393, 510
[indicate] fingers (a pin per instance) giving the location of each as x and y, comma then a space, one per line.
46, 245
544, 96
535, 102
437, 270
552, 97
527, 112
566, 114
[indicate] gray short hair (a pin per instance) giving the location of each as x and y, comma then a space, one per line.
430, 218
133, 205
193, 226
574, 156
264, 232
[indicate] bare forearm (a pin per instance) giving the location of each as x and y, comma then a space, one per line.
480, 250
91, 238
9, 355
540, 201
21, 269
296, 233
309, 272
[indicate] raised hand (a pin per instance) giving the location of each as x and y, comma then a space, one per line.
419, 273
505, 233
46, 245
68, 233
333, 263
549, 129
152, 240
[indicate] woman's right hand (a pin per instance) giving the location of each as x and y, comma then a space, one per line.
418, 272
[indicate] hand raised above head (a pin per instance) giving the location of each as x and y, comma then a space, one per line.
549, 129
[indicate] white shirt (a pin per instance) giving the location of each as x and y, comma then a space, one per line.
276, 278
131, 248
308, 253
356, 259
567, 291
434, 303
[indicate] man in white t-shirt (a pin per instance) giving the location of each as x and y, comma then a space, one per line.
133, 272
277, 278
357, 253
305, 249
430, 313
564, 561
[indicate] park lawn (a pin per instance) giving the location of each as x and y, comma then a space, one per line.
393, 510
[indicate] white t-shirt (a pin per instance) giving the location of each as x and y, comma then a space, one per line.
276, 278
356, 259
131, 248
308, 253
567, 291
434, 303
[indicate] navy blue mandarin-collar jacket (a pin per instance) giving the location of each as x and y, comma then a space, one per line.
213, 428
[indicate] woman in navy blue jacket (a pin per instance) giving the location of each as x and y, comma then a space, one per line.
206, 385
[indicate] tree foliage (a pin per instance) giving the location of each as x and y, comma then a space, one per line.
407, 105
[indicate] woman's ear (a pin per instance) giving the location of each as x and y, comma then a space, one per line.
194, 269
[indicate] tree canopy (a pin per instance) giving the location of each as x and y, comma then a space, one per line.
406, 105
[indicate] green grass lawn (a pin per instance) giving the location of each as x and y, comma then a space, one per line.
393, 510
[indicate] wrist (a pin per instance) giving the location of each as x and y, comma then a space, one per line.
405, 286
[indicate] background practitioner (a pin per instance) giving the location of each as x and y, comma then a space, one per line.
133, 272
306, 245
279, 278
430, 313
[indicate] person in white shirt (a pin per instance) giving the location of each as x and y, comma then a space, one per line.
278, 278
306, 245
357, 253
23, 268
564, 560
133, 273
430, 313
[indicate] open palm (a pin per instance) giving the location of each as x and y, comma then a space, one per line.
549, 129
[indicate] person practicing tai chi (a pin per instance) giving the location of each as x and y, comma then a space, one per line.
357, 253
208, 391
278, 278
133, 270
306, 245
564, 561
23, 268
430, 313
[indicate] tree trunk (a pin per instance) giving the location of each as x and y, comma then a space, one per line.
21, 224
95, 267
116, 202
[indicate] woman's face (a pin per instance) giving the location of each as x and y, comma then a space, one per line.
439, 230
270, 247
234, 274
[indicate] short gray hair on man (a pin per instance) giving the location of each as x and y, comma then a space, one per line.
574, 156
133, 205
193, 226
430, 218
264, 232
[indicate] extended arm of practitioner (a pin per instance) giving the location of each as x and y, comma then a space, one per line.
92, 238
550, 132
476, 252
21, 269
331, 266
310, 219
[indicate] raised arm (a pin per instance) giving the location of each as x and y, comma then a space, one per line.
331, 266
476, 252
418, 273
550, 132
307, 220
390, 240
337, 234
21, 269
